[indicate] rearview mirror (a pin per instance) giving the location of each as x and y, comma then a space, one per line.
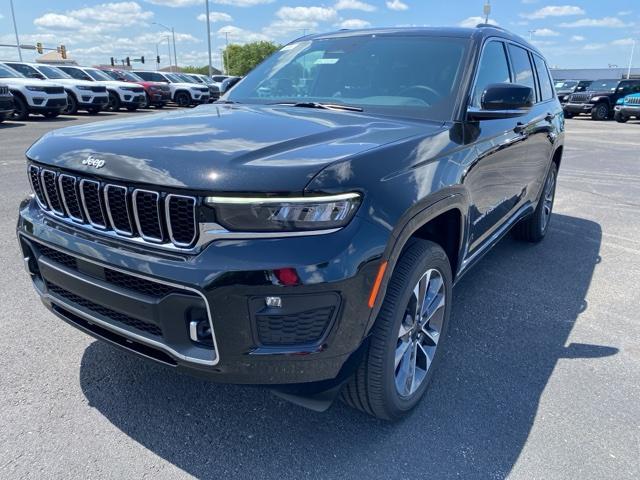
503, 100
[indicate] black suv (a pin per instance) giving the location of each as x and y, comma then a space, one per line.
565, 88
600, 98
305, 231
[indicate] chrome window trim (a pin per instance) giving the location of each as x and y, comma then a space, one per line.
124, 233
127, 333
35, 194
46, 193
64, 199
136, 216
84, 205
167, 209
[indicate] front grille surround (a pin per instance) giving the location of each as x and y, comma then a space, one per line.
579, 97
164, 219
632, 101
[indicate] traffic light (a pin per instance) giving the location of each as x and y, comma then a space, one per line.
63, 52
158, 59
39, 48
128, 62
142, 59
113, 62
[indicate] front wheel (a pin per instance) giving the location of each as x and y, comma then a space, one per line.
20, 110
534, 227
114, 102
620, 118
405, 342
600, 112
568, 115
72, 105
183, 99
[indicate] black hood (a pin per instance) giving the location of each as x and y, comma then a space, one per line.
222, 148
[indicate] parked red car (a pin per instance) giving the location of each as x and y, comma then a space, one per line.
156, 93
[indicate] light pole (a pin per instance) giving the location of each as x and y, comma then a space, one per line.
531, 32
173, 34
633, 48
486, 10
15, 28
226, 53
209, 37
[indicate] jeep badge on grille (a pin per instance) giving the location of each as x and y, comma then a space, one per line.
94, 162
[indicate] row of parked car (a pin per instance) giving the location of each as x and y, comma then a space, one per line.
601, 99
32, 88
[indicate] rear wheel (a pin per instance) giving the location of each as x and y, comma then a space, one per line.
600, 112
568, 115
72, 105
405, 341
114, 102
21, 110
534, 228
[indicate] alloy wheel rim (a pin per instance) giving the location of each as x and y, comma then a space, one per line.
419, 332
547, 205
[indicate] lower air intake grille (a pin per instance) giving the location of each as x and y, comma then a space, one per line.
104, 311
305, 327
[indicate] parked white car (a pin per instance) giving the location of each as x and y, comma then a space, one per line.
121, 94
81, 94
183, 93
31, 95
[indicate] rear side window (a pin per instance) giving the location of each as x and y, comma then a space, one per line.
78, 74
546, 88
522, 66
493, 68
25, 70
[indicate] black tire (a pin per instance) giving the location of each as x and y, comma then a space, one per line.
183, 99
620, 118
21, 110
534, 227
72, 105
568, 115
372, 388
600, 112
147, 101
51, 114
114, 102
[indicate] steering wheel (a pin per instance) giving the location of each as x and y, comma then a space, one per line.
422, 92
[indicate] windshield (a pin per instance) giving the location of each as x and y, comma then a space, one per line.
6, 72
191, 79
206, 80
173, 78
568, 85
98, 74
52, 72
603, 85
397, 75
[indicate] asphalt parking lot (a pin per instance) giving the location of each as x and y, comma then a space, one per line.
541, 375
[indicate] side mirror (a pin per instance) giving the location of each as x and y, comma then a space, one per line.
503, 100
36, 75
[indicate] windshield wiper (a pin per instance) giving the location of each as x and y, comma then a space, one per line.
323, 106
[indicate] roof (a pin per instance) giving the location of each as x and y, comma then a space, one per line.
55, 58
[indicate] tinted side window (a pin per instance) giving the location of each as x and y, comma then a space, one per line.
521, 66
546, 89
79, 74
493, 68
25, 70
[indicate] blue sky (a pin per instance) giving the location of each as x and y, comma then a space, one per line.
571, 33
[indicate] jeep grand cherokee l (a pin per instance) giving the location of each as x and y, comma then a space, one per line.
31, 95
182, 92
305, 231
156, 94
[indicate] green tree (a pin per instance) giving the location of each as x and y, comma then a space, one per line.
201, 70
241, 59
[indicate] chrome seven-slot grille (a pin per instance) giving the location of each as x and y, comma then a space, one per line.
579, 97
128, 212
632, 101
4, 90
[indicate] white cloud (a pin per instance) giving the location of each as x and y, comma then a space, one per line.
311, 14
240, 35
175, 3
1, 16
625, 13
594, 46
354, 23
215, 17
100, 18
242, 3
472, 22
354, 5
527, 2
610, 22
577, 38
545, 32
555, 11
397, 5
623, 42
55, 21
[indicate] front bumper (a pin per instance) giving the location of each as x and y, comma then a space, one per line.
628, 110
227, 283
132, 100
200, 98
90, 101
43, 104
159, 98
578, 107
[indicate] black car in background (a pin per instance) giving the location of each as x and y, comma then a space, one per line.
6, 103
564, 88
305, 231
600, 98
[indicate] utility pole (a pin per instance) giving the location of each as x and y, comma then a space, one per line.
15, 28
175, 54
226, 53
206, 2
531, 32
633, 47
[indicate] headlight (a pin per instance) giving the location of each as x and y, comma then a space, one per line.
594, 99
128, 89
197, 89
83, 87
565, 98
35, 88
284, 214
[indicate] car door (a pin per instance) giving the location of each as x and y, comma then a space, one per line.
494, 180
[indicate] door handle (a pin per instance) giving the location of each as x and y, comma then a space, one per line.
549, 117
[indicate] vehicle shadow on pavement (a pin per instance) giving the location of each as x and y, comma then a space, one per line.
511, 321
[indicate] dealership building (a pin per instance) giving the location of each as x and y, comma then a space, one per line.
592, 73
